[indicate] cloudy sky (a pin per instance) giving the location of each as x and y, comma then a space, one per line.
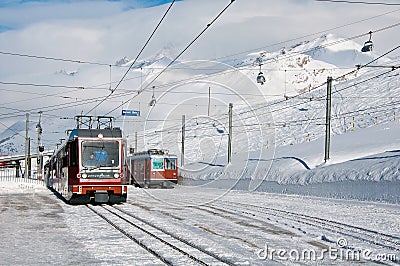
105, 31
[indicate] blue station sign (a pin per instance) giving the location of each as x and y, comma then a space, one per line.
130, 113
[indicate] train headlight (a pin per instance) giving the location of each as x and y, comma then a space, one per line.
84, 175
116, 175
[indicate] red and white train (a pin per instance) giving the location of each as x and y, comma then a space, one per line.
153, 168
89, 167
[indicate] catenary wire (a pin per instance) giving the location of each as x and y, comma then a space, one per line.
134, 61
180, 54
360, 2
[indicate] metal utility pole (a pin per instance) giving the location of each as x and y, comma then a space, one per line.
136, 141
328, 118
209, 100
230, 134
183, 141
26, 144
29, 159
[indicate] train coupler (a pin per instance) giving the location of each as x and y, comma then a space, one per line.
101, 197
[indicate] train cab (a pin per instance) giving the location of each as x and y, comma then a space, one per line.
89, 167
153, 168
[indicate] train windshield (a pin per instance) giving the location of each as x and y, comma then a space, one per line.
170, 164
158, 164
100, 154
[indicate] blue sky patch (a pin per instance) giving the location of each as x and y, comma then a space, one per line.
130, 4
4, 28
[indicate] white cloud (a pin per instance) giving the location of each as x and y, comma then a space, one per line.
247, 24
22, 15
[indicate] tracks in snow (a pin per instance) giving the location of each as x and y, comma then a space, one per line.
169, 248
363, 234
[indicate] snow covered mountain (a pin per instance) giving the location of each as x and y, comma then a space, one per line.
277, 121
7, 139
286, 112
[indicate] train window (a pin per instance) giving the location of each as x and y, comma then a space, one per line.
64, 161
157, 164
170, 164
73, 154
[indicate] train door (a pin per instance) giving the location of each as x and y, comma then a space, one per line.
139, 171
148, 172
170, 168
130, 171
72, 157
142, 171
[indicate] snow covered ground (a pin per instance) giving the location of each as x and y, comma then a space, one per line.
364, 165
240, 228
276, 194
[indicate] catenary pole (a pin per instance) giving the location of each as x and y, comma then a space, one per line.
230, 134
183, 141
26, 144
328, 118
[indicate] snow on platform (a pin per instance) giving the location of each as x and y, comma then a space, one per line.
237, 225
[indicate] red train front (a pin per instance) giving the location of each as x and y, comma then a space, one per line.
89, 167
153, 168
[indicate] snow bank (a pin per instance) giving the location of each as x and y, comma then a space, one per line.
17, 186
370, 154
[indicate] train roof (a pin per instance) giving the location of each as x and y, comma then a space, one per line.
94, 133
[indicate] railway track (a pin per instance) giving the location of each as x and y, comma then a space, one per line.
250, 211
363, 234
167, 247
241, 212
207, 228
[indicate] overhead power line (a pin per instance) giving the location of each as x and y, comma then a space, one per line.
134, 61
54, 58
208, 124
144, 46
9, 128
214, 59
274, 59
179, 55
97, 99
319, 86
306, 36
300, 94
41, 85
56, 107
217, 73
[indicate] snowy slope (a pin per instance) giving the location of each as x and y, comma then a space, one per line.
358, 155
265, 125
361, 101
12, 139
8, 145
